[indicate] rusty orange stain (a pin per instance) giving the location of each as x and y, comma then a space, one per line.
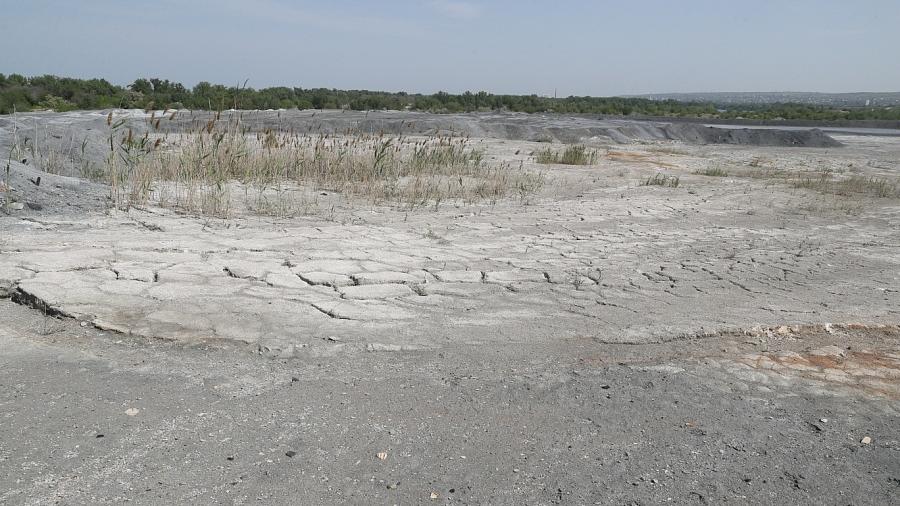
629, 156
854, 364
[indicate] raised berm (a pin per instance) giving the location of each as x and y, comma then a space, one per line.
701, 134
520, 126
90, 131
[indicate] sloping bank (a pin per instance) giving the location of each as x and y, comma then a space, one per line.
520, 126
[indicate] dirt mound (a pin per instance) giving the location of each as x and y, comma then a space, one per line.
42, 193
545, 128
700, 134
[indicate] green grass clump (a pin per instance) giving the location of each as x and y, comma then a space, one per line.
572, 155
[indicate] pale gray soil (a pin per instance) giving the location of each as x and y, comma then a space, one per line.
730, 339
558, 422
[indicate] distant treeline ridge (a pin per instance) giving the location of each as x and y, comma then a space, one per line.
22, 93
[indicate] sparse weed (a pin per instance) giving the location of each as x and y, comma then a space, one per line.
760, 173
660, 179
668, 150
577, 280
713, 172
824, 182
578, 277
843, 206
757, 161
843, 193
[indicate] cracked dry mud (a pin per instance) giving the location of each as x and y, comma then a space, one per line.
733, 338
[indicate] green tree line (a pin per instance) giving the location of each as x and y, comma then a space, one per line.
22, 93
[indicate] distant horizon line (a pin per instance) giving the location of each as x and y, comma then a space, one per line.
246, 82
786, 92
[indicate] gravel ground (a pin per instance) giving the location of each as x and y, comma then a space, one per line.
93, 417
731, 339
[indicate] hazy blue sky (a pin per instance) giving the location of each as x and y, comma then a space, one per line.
582, 47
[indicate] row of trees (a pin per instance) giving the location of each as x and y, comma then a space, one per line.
61, 93
810, 112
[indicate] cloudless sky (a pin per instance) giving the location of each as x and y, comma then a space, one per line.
578, 47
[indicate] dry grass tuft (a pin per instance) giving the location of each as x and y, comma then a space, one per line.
825, 182
201, 170
713, 172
